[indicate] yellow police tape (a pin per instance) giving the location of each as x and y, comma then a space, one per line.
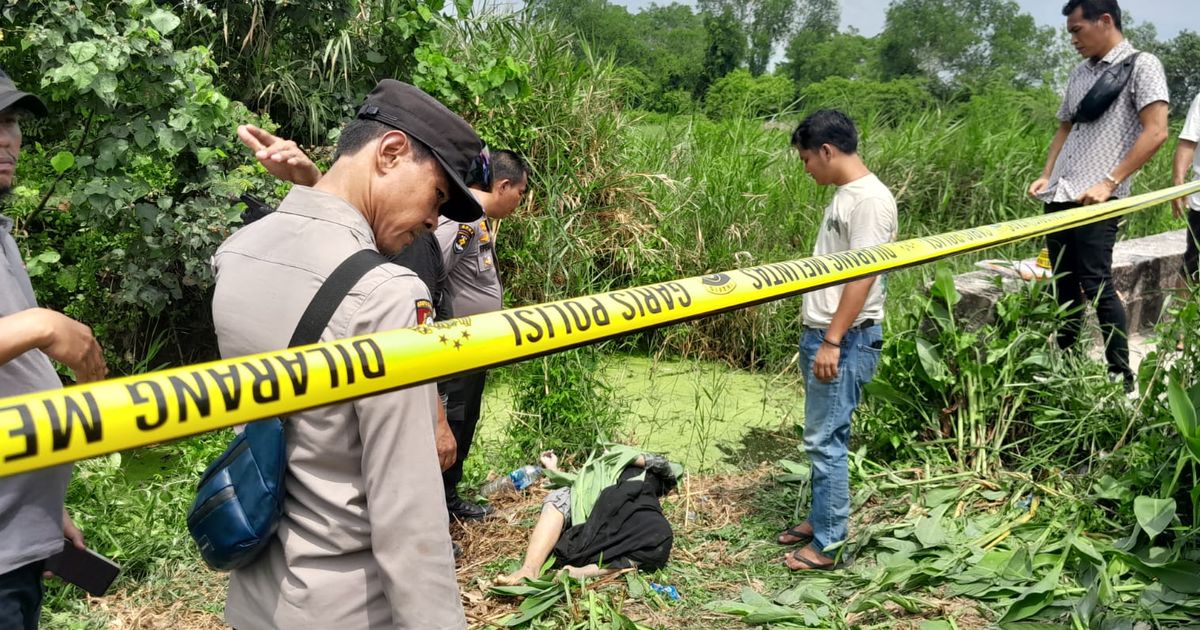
55, 427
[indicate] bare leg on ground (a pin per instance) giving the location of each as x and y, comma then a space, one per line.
589, 571
541, 543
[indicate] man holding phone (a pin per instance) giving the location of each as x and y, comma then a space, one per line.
33, 519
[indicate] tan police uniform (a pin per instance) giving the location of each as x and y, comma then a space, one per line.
473, 282
363, 542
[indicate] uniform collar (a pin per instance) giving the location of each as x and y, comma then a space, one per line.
317, 204
1119, 52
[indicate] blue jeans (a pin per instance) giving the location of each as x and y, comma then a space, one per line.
21, 597
828, 407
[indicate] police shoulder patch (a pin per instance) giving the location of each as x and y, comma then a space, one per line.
424, 312
465, 233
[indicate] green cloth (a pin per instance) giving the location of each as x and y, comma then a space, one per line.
600, 472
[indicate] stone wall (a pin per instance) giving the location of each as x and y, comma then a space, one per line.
1145, 270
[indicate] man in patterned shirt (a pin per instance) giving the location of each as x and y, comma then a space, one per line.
1092, 162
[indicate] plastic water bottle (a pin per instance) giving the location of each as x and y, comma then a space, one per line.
514, 481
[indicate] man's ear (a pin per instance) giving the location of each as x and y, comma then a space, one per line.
393, 147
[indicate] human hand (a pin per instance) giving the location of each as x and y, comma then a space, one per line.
1038, 186
282, 158
825, 365
68, 342
447, 446
1179, 207
549, 460
72, 534
1097, 194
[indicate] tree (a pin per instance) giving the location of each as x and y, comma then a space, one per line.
674, 38
766, 23
811, 60
1181, 58
807, 57
961, 42
725, 51
664, 44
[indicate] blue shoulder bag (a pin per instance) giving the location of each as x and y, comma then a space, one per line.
240, 496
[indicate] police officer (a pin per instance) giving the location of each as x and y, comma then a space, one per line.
473, 282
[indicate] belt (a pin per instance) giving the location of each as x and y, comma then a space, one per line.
866, 323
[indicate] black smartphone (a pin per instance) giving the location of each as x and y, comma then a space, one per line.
84, 568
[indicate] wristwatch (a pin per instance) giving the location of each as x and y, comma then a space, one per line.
1112, 180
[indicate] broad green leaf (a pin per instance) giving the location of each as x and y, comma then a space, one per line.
929, 529
940, 624
1154, 515
1085, 547
1034, 598
943, 286
636, 586
1108, 488
1181, 575
83, 51
164, 21
62, 161
1183, 409
938, 496
931, 360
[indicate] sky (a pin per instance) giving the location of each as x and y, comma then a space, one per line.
1169, 16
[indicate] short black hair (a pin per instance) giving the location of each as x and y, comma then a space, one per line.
359, 132
508, 165
826, 126
1093, 9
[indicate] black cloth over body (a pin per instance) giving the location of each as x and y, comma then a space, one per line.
1191, 257
626, 527
21, 597
464, 399
424, 258
1082, 260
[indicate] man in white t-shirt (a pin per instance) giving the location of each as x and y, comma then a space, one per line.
1185, 156
842, 338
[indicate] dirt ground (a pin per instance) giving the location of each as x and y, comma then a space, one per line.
192, 598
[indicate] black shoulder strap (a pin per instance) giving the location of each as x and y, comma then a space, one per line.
1105, 90
330, 295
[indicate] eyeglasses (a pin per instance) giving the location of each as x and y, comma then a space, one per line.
480, 171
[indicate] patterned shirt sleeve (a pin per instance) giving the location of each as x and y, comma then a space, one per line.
1149, 82
1064, 108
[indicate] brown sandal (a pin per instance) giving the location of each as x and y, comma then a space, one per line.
809, 565
801, 537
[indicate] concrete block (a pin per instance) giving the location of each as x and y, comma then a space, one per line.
1145, 272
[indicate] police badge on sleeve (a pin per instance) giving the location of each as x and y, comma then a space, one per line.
465, 233
424, 312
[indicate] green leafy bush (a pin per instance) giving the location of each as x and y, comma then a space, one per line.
990, 395
741, 94
126, 189
885, 102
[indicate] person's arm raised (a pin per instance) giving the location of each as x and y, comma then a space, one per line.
282, 158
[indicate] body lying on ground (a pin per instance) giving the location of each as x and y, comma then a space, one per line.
604, 518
